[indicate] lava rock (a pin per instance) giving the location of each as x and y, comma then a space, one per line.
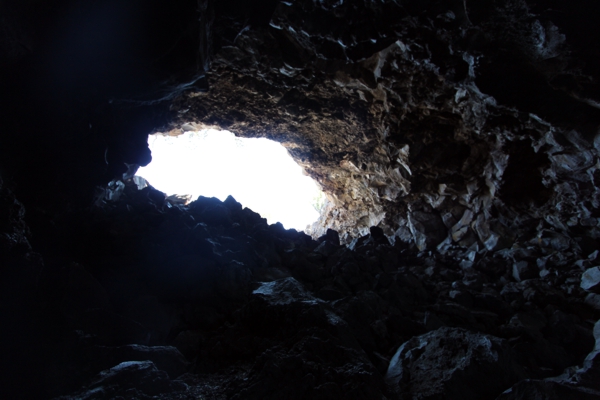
547, 390
188, 343
282, 292
453, 363
522, 270
575, 383
461, 297
428, 229
83, 293
590, 280
103, 327
166, 358
152, 315
129, 379
589, 374
331, 236
593, 300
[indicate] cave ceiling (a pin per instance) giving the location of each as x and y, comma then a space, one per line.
457, 143
444, 123
412, 117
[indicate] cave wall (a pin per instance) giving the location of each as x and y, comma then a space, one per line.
467, 132
409, 116
84, 83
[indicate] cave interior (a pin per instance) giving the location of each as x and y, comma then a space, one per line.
456, 255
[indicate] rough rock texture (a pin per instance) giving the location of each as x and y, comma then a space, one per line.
590, 280
252, 306
453, 363
457, 142
575, 383
400, 118
132, 379
20, 267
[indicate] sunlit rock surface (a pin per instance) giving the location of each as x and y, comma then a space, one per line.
457, 142
400, 118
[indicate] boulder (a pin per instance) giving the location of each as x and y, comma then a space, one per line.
428, 229
546, 390
152, 315
166, 358
522, 270
131, 379
83, 293
590, 280
453, 363
575, 383
103, 327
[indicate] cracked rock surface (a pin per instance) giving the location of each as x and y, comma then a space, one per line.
400, 119
209, 300
457, 143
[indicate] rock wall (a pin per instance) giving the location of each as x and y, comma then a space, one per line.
457, 142
401, 119
160, 299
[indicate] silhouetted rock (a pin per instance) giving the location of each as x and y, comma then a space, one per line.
131, 379
590, 280
453, 363
456, 143
166, 358
575, 383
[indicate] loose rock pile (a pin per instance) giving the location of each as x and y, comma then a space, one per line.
457, 256
209, 300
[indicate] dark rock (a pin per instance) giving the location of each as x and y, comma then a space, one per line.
83, 292
326, 248
155, 196
590, 280
331, 237
493, 303
453, 363
182, 199
574, 383
188, 343
456, 142
522, 270
462, 298
202, 316
152, 315
233, 280
593, 300
330, 294
567, 331
428, 229
166, 358
530, 322
282, 292
376, 232
103, 327
432, 322
232, 204
141, 376
547, 390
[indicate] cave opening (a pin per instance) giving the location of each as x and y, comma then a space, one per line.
457, 255
257, 172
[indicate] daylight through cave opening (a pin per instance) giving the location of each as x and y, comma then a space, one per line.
259, 173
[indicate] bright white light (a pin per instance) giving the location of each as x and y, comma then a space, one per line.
259, 173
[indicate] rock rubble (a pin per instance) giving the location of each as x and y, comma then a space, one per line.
456, 141
263, 312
